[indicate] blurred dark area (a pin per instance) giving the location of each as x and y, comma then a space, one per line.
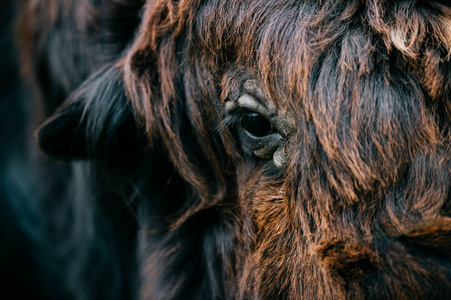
49, 248
24, 246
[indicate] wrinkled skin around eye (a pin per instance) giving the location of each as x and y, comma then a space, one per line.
263, 130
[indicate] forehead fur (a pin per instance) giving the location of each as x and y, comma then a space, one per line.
354, 72
310, 55
285, 43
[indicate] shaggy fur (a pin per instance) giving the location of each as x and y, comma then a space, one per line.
150, 192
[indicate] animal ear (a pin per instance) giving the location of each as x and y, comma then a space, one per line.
95, 122
62, 135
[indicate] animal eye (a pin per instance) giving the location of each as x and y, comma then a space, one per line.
256, 124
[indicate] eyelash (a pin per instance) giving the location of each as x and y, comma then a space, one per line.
237, 116
240, 116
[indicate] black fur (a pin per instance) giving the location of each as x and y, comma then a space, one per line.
123, 175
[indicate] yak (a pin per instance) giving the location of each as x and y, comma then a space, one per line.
226, 149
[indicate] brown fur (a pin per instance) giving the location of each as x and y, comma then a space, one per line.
362, 208
371, 159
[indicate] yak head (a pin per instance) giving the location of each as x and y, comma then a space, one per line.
291, 149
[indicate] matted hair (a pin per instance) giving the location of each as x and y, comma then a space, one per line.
360, 207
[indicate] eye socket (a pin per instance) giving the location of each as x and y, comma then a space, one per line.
256, 124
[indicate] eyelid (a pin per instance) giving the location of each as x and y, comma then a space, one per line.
250, 103
254, 100
252, 88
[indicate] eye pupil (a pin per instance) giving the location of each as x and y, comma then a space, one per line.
256, 124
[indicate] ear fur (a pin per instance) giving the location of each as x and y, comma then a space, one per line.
95, 122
